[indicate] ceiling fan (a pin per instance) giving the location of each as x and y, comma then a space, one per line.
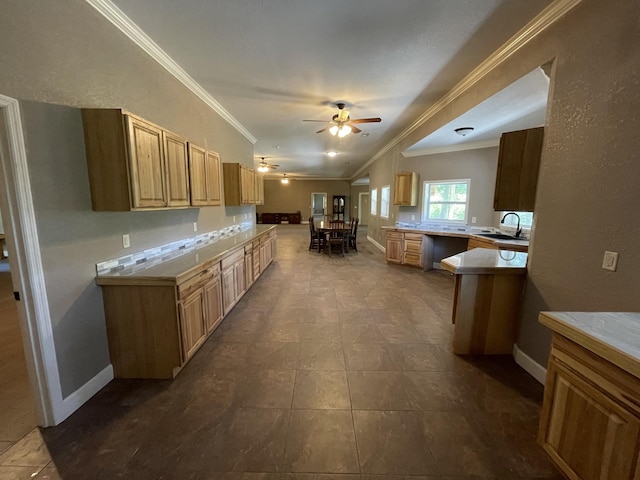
264, 166
342, 124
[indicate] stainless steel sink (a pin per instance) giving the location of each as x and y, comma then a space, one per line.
499, 236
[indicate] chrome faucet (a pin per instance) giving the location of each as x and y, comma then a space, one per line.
518, 229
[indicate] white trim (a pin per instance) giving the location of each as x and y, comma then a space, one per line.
27, 265
380, 247
117, 17
74, 401
539, 24
532, 367
451, 148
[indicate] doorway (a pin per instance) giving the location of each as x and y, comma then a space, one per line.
318, 205
364, 207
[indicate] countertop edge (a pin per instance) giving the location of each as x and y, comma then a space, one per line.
595, 345
453, 233
481, 270
163, 280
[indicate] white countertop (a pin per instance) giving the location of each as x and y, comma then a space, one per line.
615, 336
169, 271
482, 261
463, 232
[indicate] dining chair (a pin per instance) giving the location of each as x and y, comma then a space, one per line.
352, 235
316, 237
336, 237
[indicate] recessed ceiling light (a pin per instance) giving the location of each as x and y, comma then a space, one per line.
332, 153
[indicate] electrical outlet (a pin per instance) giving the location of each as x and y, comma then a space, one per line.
610, 261
234, 219
195, 226
413, 217
474, 219
126, 241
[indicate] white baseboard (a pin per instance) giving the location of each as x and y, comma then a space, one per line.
532, 367
380, 247
74, 401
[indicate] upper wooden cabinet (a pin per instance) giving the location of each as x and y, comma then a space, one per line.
133, 164
259, 182
177, 161
204, 172
405, 189
241, 186
518, 165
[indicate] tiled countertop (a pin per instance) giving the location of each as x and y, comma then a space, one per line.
482, 261
462, 233
181, 266
614, 336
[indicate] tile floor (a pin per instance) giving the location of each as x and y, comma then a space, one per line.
328, 368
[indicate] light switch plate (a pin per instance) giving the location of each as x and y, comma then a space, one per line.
610, 261
195, 226
126, 243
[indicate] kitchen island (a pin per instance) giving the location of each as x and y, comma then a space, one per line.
488, 291
590, 419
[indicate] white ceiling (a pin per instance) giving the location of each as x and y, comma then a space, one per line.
273, 63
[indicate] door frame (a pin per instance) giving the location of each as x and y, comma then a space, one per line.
26, 271
324, 194
360, 214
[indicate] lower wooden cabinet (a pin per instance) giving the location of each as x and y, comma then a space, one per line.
590, 420
155, 325
394, 247
477, 243
192, 324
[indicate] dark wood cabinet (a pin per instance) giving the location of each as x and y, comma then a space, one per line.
339, 202
518, 165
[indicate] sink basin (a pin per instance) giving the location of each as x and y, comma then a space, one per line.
499, 236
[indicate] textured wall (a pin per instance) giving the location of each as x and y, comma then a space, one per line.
296, 195
66, 53
587, 198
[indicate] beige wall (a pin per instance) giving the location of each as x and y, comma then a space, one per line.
296, 195
66, 53
587, 194
356, 190
479, 166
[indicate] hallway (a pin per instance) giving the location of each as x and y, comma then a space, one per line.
336, 367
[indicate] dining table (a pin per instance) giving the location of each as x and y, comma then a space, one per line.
327, 227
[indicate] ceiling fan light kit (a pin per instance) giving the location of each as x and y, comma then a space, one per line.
342, 124
284, 180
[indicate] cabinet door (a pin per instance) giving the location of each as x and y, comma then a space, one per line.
589, 434
177, 163
256, 261
394, 248
229, 296
405, 191
213, 303
248, 269
239, 278
413, 250
192, 328
518, 165
214, 189
259, 189
146, 164
477, 243
198, 175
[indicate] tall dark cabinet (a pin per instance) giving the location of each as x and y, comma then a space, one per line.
339, 207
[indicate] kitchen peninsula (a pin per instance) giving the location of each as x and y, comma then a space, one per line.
426, 246
486, 302
158, 313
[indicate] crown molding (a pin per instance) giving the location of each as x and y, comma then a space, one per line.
117, 17
340, 179
451, 148
535, 27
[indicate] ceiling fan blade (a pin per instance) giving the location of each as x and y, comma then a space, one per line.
324, 129
355, 129
273, 166
366, 120
321, 121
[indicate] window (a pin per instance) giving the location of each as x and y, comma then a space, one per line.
526, 219
374, 201
384, 201
445, 201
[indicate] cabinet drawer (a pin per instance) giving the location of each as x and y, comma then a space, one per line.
235, 257
476, 243
394, 235
414, 259
196, 281
413, 246
413, 236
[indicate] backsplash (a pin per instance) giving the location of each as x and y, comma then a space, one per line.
171, 250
